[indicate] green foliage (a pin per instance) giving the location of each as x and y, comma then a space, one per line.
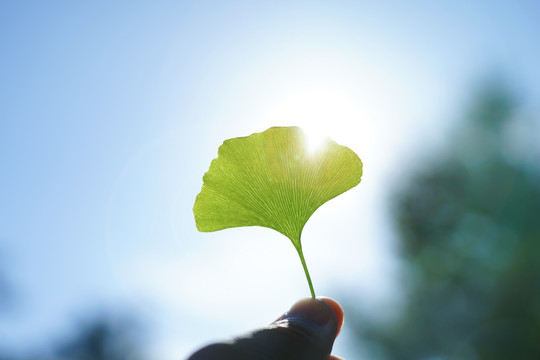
270, 179
470, 232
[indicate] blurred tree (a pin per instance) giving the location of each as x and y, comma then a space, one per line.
103, 338
470, 229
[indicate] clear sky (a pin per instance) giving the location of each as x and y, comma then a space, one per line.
111, 111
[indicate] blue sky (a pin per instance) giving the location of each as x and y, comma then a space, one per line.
110, 113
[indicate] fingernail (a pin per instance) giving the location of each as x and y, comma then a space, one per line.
314, 310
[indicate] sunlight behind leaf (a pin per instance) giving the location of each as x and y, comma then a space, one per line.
315, 139
271, 179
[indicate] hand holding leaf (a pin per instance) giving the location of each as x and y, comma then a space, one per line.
270, 179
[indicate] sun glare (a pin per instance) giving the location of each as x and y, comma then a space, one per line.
321, 113
315, 139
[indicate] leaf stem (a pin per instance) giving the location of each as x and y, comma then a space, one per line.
301, 254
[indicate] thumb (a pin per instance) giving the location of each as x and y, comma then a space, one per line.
306, 332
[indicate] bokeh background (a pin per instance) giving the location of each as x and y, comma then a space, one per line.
110, 113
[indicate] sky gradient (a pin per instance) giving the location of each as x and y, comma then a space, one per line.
110, 113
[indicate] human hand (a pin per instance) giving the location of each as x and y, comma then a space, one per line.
306, 332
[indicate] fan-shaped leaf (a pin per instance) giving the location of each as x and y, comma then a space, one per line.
270, 179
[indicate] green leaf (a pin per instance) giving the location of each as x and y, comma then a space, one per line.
270, 179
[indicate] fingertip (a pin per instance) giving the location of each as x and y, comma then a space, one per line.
337, 309
315, 310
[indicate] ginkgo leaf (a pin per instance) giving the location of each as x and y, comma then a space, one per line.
271, 179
